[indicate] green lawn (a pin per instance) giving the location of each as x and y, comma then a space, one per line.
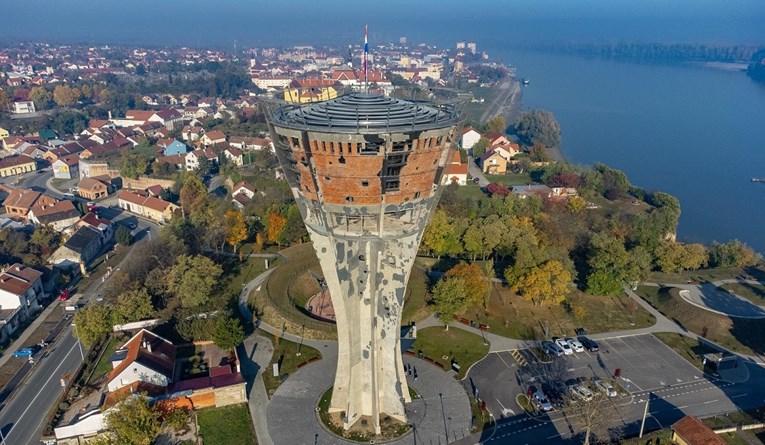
464, 347
105, 365
229, 424
737, 334
509, 315
660, 436
752, 292
416, 299
246, 271
470, 191
285, 353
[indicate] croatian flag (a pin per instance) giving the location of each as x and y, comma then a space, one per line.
366, 51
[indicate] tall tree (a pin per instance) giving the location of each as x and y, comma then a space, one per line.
133, 421
476, 285
609, 265
276, 224
235, 228
546, 284
133, 305
193, 279
193, 195
66, 96
92, 322
449, 298
497, 124
538, 126
228, 333
41, 97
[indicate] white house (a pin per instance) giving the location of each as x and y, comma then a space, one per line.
146, 358
242, 193
21, 290
23, 107
470, 137
192, 157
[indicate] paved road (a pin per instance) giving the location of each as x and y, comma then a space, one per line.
21, 419
497, 105
708, 296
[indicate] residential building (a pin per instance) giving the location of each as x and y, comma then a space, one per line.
4, 133
147, 206
470, 136
234, 155
23, 107
493, 163
455, 173
79, 250
146, 358
16, 165
20, 201
59, 215
242, 194
21, 292
193, 157
251, 143
691, 431
507, 151
174, 147
67, 167
540, 190
94, 188
213, 137
101, 224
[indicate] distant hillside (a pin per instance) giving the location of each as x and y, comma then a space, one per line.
648, 52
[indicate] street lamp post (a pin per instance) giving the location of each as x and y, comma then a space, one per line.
79, 342
302, 333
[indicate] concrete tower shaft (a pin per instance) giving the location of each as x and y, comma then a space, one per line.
364, 170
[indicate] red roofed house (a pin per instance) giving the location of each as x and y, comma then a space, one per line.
67, 167
59, 215
213, 137
192, 157
146, 357
147, 206
456, 172
242, 194
20, 201
21, 290
94, 188
234, 155
690, 431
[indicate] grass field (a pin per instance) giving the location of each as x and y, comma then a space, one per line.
416, 298
510, 179
464, 347
752, 292
285, 353
105, 365
737, 334
511, 316
228, 424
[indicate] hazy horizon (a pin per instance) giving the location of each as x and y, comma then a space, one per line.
206, 24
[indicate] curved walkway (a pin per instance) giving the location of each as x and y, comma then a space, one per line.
709, 297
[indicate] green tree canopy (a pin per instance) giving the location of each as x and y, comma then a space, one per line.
92, 322
538, 127
193, 279
133, 421
449, 298
476, 285
228, 332
546, 284
133, 305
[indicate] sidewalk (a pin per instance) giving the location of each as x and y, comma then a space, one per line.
24, 336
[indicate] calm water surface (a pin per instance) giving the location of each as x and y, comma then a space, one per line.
697, 133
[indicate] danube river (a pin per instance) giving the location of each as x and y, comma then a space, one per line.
695, 132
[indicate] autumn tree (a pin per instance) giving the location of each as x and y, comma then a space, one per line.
234, 228
5, 101
133, 421
546, 284
476, 285
41, 97
133, 305
734, 253
228, 333
276, 224
92, 322
439, 236
192, 279
496, 125
449, 298
66, 96
576, 204
675, 257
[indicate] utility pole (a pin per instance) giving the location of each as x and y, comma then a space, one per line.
79, 342
645, 413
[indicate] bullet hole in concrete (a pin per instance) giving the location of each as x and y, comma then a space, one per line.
342, 160
362, 258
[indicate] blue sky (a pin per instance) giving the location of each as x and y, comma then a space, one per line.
207, 22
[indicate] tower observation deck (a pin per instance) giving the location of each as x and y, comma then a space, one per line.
365, 171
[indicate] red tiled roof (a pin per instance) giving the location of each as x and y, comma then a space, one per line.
17, 279
457, 169
693, 432
161, 358
13, 161
245, 185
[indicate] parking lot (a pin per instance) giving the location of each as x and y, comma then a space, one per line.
645, 364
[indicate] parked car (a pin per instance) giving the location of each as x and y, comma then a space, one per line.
25, 352
581, 392
552, 349
574, 343
540, 401
589, 344
563, 345
132, 225
91, 206
605, 388
64, 295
